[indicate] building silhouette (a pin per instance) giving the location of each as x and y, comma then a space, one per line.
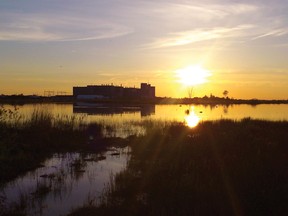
146, 91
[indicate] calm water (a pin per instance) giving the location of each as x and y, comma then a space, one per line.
65, 182
113, 115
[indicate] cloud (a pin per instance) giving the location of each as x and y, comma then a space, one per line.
199, 11
232, 22
214, 11
198, 35
273, 33
38, 27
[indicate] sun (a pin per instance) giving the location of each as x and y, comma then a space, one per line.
193, 75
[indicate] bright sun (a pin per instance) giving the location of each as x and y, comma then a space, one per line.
193, 75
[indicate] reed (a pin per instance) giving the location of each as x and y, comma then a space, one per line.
30, 141
218, 168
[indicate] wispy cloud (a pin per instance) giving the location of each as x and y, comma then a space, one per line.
273, 33
199, 11
38, 27
198, 35
212, 11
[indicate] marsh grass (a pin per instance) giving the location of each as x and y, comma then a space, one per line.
27, 142
218, 168
15, 209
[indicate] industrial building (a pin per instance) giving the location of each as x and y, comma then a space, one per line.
146, 91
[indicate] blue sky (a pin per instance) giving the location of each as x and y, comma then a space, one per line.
55, 44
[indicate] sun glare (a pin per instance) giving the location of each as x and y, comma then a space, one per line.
192, 120
193, 75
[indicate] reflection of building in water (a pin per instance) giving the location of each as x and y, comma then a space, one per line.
113, 92
147, 110
107, 109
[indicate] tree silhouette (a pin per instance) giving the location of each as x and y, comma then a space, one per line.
225, 93
190, 92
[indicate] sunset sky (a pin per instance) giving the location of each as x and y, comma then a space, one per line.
57, 44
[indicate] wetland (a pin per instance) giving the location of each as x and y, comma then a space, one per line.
145, 160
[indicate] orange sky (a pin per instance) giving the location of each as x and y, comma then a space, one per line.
54, 46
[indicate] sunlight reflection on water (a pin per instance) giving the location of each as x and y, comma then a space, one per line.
113, 115
123, 121
192, 120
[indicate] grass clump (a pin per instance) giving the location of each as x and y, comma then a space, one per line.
25, 143
218, 168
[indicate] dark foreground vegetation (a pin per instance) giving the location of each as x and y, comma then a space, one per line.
218, 168
25, 144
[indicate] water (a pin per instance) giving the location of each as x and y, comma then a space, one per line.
65, 182
68, 181
120, 115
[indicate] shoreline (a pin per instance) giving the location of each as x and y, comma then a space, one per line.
21, 100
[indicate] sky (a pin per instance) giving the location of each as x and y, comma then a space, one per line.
53, 45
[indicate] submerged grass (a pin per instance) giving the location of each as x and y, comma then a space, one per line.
218, 168
25, 143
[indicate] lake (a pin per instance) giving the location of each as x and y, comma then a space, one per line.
125, 120
122, 114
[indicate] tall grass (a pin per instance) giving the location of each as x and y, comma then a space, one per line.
9, 117
30, 141
218, 168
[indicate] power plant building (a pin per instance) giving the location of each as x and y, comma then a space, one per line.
114, 92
